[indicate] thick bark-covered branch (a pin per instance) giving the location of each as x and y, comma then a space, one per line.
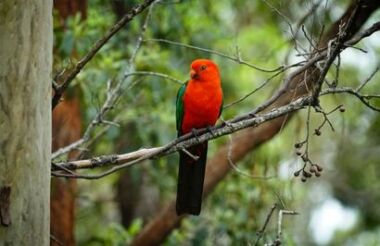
135, 157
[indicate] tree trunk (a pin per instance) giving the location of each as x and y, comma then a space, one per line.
25, 121
66, 129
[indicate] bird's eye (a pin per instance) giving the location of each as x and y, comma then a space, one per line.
203, 67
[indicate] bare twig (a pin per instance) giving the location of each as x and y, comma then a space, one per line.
309, 39
156, 74
235, 167
262, 230
236, 58
362, 97
300, 23
326, 119
262, 85
284, 88
279, 224
306, 16
141, 35
368, 79
333, 52
53, 238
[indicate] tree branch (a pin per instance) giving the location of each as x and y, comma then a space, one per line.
126, 160
262, 230
362, 97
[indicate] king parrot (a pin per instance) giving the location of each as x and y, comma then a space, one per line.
199, 105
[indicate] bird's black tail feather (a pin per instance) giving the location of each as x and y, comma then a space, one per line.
190, 180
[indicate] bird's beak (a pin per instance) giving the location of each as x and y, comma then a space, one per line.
193, 74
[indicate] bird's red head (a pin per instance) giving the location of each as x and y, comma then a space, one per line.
204, 70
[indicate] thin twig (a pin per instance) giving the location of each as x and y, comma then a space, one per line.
194, 157
156, 74
232, 58
235, 167
279, 224
53, 238
262, 230
363, 98
368, 79
262, 85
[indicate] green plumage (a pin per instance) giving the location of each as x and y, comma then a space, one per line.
180, 108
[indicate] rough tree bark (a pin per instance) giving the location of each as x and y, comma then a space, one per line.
25, 121
248, 140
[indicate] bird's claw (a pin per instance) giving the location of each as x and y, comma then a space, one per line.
195, 132
225, 123
209, 129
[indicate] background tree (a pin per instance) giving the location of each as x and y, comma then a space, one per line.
25, 119
66, 124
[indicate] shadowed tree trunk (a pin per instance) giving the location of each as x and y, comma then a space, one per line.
25, 121
248, 140
66, 123
68, 8
66, 129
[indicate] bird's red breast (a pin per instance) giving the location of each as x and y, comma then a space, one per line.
203, 96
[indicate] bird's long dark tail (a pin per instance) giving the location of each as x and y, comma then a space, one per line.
190, 180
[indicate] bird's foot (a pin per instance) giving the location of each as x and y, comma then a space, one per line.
226, 123
209, 129
196, 132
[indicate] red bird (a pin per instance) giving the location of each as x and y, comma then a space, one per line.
199, 105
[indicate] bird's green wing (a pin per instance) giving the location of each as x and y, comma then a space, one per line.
180, 108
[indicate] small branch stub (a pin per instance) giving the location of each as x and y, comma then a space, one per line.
102, 160
5, 218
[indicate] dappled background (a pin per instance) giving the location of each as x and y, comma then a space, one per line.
338, 208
